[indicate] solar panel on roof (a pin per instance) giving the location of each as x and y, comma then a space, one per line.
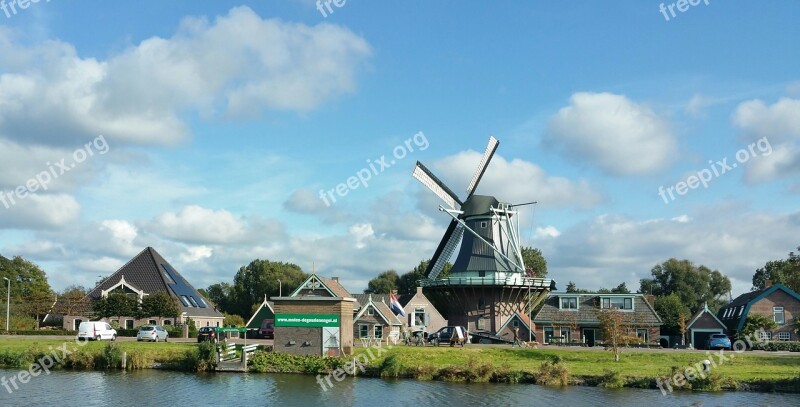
180, 288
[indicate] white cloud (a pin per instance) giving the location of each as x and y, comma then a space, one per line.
778, 122
546, 232
610, 249
37, 211
239, 64
196, 253
699, 103
516, 181
199, 225
613, 133
361, 233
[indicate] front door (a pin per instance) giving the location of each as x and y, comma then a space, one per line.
77, 323
588, 336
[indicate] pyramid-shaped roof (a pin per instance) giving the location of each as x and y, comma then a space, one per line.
150, 273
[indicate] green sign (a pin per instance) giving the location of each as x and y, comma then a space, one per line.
231, 330
307, 320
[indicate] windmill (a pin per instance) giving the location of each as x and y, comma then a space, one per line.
488, 282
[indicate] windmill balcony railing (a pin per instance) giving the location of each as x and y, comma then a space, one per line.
522, 282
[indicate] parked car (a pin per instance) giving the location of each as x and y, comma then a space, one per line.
267, 329
443, 335
95, 331
153, 333
718, 341
207, 333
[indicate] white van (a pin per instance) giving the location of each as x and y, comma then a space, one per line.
96, 330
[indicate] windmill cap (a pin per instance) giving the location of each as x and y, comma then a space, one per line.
479, 205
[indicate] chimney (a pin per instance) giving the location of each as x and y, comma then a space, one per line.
419, 290
768, 284
651, 299
336, 279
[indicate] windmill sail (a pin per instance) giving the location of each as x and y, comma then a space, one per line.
426, 177
487, 156
451, 239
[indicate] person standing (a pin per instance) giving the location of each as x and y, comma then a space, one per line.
516, 337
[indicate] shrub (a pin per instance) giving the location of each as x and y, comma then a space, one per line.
552, 373
262, 361
111, 357
611, 379
777, 346
390, 367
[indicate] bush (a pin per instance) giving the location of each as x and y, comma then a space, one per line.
272, 362
390, 367
111, 358
611, 379
45, 332
777, 346
552, 373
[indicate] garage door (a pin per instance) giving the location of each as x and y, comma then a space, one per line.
699, 338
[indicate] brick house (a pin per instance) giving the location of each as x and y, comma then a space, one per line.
777, 302
420, 312
527, 330
572, 317
375, 319
701, 326
145, 274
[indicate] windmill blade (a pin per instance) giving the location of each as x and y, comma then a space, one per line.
451, 239
487, 156
426, 177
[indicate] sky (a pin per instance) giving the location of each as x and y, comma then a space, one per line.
218, 133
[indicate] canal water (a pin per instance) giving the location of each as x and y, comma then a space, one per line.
160, 388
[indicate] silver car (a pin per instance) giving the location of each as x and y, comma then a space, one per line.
153, 333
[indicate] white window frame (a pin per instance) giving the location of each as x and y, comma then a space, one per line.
775, 311
765, 335
375, 330
606, 302
784, 336
366, 330
371, 311
568, 299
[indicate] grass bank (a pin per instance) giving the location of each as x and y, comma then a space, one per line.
745, 371
70, 354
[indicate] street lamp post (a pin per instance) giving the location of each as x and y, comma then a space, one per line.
8, 302
280, 289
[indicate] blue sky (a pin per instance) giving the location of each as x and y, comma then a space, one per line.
222, 121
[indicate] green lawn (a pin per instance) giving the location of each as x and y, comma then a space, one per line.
746, 366
22, 344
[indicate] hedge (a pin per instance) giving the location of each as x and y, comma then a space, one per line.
777, 346
43, 332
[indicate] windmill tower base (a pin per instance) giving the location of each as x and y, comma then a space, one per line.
484, 306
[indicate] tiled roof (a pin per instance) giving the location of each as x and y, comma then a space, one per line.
380, 306
741, 305
143, 272
338, 289
588, 304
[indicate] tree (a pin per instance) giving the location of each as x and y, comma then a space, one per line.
786, 272
30, 292
260, 278
621, 289
71, 300
535, 264
695, 285
233, 320
160, 304
755, 323
116, 304
572, 288
614, 328
220, 295
384, 283
671, 310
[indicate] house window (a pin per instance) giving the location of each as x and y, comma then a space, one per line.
128, 324
185, 301
741, 310
778, 315
167, 322
378, 331
420, 317
363, 331
515, 323
765, 335
784, 336
194, 303
566, 334
569, 303
152, 322
370, 311
483, 225
548, 334
643, 335
623, 303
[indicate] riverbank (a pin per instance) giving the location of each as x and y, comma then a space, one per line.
750, 371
